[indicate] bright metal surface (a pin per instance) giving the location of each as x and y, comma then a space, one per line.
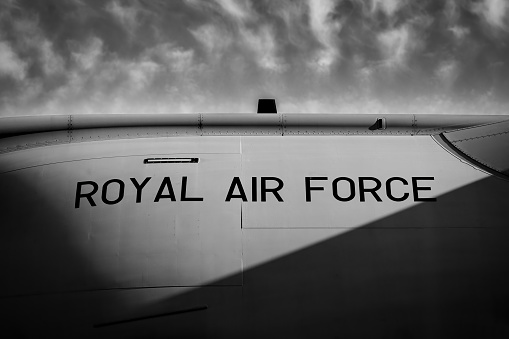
218, 124
124, 245
119, 148
381, 157
487, 145
262, 268
18, 133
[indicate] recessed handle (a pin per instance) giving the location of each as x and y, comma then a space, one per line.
171, 160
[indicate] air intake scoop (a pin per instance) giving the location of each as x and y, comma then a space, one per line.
267, 106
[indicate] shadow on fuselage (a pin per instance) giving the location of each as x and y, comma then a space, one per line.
45, 273
436, 270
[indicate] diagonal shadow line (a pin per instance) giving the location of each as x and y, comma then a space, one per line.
446, 276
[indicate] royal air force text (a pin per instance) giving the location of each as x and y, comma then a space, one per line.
259, 189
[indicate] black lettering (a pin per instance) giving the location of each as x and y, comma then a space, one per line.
389, 189
89, 195
254, 188
236, 183
315, 188
139, 187
274, 191
335, 189
183, 190
363, 189
165, 183
104, 195
416, 188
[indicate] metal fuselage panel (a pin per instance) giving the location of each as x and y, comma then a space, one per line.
95, 216
275, 230
333, 185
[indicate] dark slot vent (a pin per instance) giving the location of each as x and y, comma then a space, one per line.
170, 161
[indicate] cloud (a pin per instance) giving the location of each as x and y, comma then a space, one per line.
322, 60
126, 16
389, 7
494, 12
141, 74
220, 55
325, 31
10, 4
451, 12
38, 50
253, 38
294, 16
396, 45
30, 90
447, 72
176, 59
11, 64
214, 39
460, 32
88, 54
52, 63
320, 21
263, 47
100, 82
180, 60
257, 42
452, 15
238, 10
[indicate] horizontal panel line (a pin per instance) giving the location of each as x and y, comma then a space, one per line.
118, 322
367, 227
37, 294
106, 157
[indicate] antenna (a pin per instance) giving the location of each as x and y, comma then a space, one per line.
267, 106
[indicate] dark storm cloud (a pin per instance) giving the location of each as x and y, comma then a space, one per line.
351, 56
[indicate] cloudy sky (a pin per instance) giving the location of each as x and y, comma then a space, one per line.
177, 56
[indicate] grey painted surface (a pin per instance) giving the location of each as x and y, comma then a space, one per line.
487, 144
250, 124
381, 157
291, 268
50, 245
